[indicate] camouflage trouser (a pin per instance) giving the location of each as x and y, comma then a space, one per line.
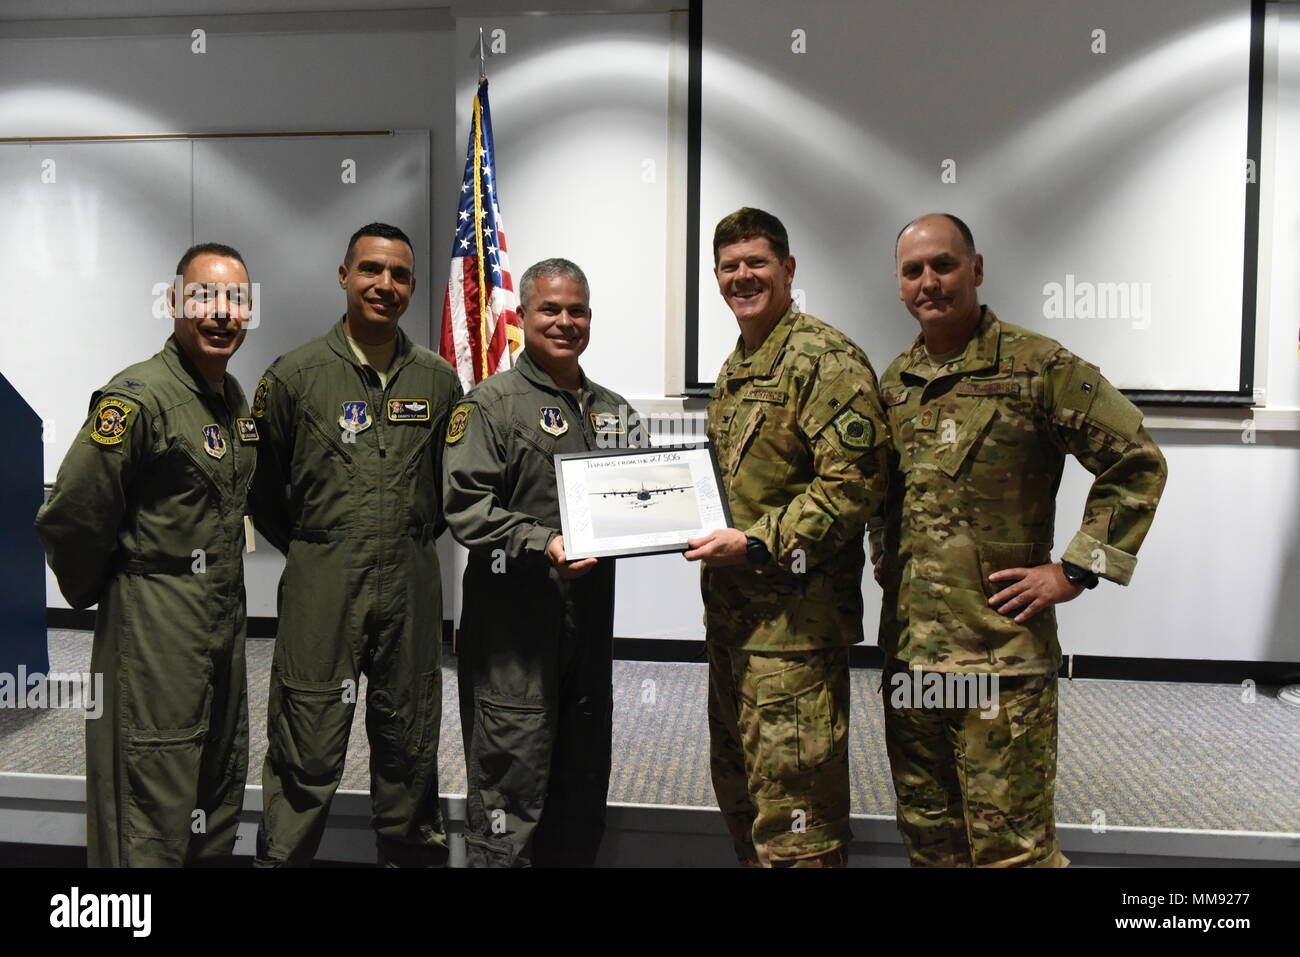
779, 752
975, 791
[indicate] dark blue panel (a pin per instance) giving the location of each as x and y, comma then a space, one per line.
22, 561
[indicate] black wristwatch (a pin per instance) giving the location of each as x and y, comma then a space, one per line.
756, 552
1079, 576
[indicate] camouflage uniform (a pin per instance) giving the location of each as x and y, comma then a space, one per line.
535, 650
981, 445
801, 445
161, 469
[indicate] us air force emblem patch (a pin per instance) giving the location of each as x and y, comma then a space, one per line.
355, 418
552, 421
214, 443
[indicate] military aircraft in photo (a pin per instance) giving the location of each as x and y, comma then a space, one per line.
642, 497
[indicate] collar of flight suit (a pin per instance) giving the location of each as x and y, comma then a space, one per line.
179, 363
338, 341
982, 355
538, 376
762, 363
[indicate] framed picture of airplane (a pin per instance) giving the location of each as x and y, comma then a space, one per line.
624, 502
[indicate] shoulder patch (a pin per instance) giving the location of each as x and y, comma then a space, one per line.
458, 423
854, 429
259, 399
112, 419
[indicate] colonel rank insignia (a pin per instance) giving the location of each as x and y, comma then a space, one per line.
247, 430
259, 399
110, 422
458, 423
854, 430
355, 418
552, 421
408, 410
213, 442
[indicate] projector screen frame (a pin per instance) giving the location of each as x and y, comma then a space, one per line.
1244, 395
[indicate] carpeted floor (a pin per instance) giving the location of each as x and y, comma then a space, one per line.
1145, 754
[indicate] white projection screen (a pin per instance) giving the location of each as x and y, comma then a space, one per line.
1098, 151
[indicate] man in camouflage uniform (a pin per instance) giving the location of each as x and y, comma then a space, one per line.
349, 488
982, 414
797, 424
147, 518
536, 631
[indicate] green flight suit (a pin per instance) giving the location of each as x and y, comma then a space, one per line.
534, 653
147, 519
801, 445
980, 445
349, 488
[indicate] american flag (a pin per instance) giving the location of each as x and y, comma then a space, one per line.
480, 332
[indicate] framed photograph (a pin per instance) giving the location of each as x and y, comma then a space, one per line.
638, 501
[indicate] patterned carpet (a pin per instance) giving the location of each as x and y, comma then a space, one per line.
1146, 754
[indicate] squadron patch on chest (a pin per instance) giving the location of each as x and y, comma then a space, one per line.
214, 443
458, 424
259, 399
355, 417
552, 421
408, 410
111, 420
854, 429
607, 423
247, 430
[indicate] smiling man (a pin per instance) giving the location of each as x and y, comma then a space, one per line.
797, 424
147, 518
349, 488
982, 414
536, 629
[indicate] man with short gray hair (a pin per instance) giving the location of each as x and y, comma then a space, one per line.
536, 630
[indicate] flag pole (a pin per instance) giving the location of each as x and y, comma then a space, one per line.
482, 58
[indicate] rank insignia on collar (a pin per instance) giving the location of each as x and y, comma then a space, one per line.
247, 430
355, 418
110, 422
552, 421
458, 424
213, 441
259, 399
607, 423
408, 410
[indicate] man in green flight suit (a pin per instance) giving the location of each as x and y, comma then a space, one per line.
349, 488
148, 518
982, 414
536, 630
800, 436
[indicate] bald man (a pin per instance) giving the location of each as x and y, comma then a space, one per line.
982, 414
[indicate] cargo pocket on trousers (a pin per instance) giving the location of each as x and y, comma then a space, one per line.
313, 723
511, 751
795, 722
161, 771
398, 744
